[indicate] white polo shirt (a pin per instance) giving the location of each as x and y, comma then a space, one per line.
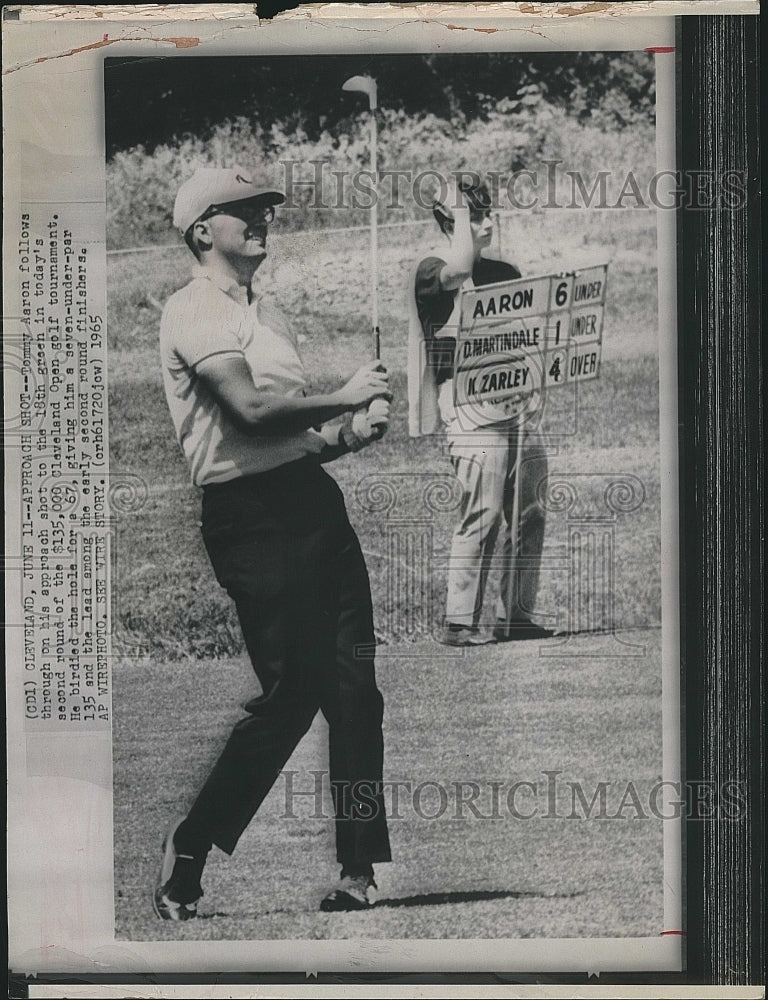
211, 317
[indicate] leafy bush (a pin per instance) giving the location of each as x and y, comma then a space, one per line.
512, 136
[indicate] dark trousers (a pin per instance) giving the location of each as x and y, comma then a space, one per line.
282, 546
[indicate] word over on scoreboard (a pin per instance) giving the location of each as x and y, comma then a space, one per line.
519, 337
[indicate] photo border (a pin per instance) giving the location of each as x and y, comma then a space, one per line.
721, 530
722, 518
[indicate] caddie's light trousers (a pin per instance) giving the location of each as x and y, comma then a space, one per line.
282, 546
502, 471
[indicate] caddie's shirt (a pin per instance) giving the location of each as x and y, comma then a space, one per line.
211, 318
435, 306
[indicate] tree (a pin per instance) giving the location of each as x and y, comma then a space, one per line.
154, 101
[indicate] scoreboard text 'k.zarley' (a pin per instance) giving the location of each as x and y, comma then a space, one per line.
519, 337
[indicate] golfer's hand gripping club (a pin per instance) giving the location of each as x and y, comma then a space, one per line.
371, 424
378, 411
365, 385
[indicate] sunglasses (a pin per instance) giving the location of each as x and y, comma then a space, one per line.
241, 210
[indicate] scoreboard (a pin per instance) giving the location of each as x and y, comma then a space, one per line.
517, 338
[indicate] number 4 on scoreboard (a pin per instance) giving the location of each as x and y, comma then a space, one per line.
556, 372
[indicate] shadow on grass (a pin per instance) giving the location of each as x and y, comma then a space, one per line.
435, 899
473, 896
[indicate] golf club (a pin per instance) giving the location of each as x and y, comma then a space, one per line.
367, 85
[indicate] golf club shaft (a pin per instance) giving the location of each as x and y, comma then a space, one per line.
375, 238
377, 407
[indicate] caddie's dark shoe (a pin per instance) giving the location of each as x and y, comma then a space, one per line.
520, 632
178, 887
462, 635
354, 892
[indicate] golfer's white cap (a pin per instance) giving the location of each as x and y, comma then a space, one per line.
212, 186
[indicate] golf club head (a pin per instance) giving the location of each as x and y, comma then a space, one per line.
362, 85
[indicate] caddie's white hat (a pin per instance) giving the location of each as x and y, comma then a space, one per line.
213, 186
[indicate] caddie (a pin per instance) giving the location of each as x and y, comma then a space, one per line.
277, 533
500, 464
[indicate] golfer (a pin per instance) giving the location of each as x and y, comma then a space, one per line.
501, 464
278, 536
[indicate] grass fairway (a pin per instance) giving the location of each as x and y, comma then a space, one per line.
498, 714
503, 714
